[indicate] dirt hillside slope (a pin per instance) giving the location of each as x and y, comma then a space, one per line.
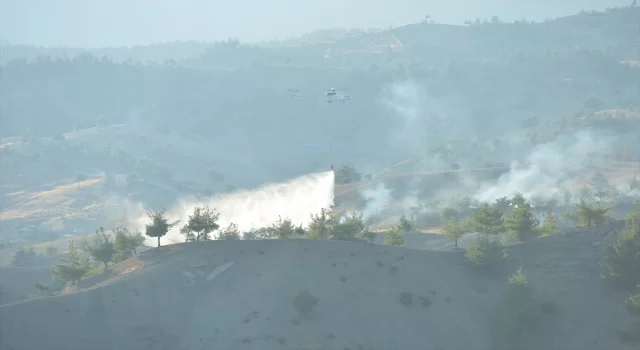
239, 295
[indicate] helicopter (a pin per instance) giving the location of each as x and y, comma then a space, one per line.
333, 95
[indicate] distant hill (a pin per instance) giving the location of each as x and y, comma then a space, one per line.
614, 31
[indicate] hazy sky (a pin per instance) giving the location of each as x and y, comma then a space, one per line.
96, 23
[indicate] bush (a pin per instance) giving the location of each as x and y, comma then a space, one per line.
345, 174
304, 303
631, 335
426, 301
518, 313
621, 264
406, 299
394, 237
485, 254
633, 304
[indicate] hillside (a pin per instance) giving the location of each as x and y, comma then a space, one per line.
238, 295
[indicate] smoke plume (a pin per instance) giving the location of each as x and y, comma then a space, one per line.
549, 167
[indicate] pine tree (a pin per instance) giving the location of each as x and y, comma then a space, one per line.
486, 220
73, 268
590, 216
160, 225
394, 237
230, 232
102, 247
521, 223
453, 230
621, 262
549, 227
320, 226
42, 288
203, 221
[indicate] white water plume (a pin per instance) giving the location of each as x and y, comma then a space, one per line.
296, 200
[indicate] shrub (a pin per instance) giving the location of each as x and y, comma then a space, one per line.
633, 304
304, 303
406, 299
517, 313
426, 301
485, 254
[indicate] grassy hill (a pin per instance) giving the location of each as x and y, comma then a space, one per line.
239, 295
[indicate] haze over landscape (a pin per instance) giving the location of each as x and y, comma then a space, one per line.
79, 23
290, 175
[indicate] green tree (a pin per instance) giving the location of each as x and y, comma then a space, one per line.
125, 243
521, 223
188, 235
345, 174
518, 200
502, 204
42, 288
406, 224
453, 230
73, 267
319, 227
202, 222
281, 229
101, 247
549, 227
230, 232
395, 236
486, 220
518, 311
590, 216
348, 228
485, 254
621, 263
160, 224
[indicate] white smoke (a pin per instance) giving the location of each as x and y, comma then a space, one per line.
251, 209
549, 167
377, 198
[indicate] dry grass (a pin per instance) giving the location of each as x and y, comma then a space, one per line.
55, 202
